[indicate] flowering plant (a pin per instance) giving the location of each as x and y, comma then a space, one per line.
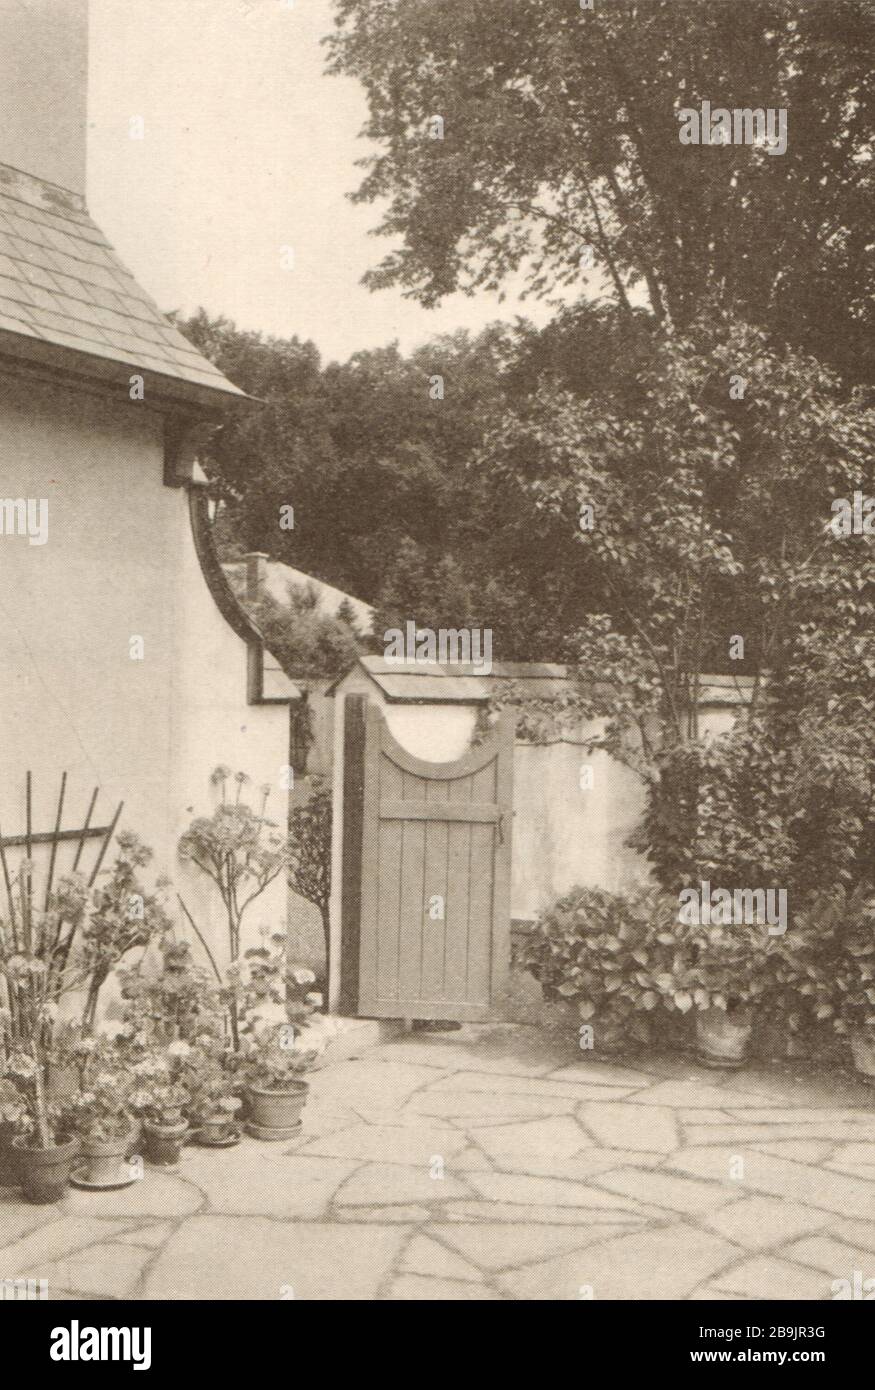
272, 1058
269, 988
180, 1003
121, 916
99, 1108
242, 852
29, 1013
100, 1111
39, 962
158, 1093
161, 1102
209, 1085
35, 1115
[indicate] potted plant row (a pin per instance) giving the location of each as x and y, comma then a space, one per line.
191, 1049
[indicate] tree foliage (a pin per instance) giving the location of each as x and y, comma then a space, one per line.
560, 132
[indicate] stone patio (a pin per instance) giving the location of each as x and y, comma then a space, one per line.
494, 1163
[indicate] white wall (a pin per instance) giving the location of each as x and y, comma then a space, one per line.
119, 562
565, 834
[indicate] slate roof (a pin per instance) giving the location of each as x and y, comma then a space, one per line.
446, 683
63, 287
453, 683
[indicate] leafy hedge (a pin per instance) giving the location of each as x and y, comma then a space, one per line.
625, 959
602, 951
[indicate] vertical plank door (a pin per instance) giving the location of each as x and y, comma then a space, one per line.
427, 876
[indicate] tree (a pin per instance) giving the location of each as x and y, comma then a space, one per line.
713, 518
560, 132
310, 857
308, 643
408, 522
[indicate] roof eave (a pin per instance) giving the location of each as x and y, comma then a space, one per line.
164, 391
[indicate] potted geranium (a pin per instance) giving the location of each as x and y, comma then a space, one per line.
164, 1123
274, 1066
275, 1054
212, 1103
159, 1098
43, 1148
100, 1113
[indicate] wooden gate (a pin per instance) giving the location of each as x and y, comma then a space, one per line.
426, 875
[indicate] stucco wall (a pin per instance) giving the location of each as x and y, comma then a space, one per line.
119, 562
566, 834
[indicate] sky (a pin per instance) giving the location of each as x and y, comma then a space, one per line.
247, 149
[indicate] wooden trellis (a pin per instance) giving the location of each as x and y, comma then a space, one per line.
54, 838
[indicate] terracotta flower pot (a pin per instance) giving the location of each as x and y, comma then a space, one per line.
44, 1173
104, 1163
8, 1156
164, 1142
218, 1132
863, 1052
276, 1114
723, 1038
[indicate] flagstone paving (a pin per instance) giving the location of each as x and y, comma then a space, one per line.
494, 1163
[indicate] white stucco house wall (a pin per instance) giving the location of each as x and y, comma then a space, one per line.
100, 399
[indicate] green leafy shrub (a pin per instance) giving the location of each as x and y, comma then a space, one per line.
829, 965
603, 952
626, 960
715, 967
820, 975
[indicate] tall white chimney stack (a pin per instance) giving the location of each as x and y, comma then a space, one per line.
43, 89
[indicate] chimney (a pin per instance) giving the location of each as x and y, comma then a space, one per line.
43, 89
256, 575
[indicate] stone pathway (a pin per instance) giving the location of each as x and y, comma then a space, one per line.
493, 1163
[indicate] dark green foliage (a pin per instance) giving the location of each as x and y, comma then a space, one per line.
561, 131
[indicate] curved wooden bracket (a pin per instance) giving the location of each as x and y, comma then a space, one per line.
180, 432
